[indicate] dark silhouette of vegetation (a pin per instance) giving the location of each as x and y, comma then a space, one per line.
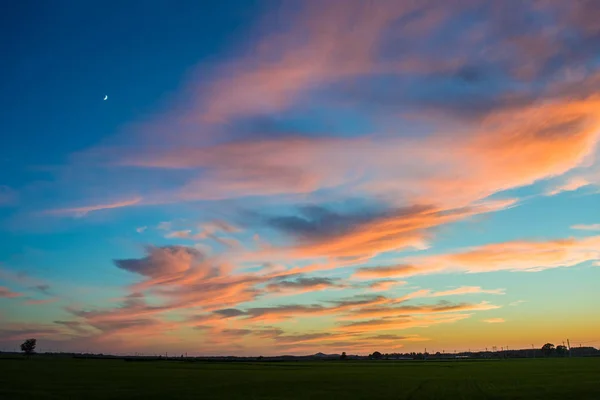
28, 346
376, 355
561, 350
343, 356
547, 349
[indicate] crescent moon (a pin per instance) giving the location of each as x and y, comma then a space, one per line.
105, 97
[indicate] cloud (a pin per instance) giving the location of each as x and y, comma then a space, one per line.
43, 288
522, 255
230, 312
22, 278
7, 293
494, 320
133, 318
188, 278
303, 284
141, 229
570, 185
385, 271
178, 278
338, 41
516, 303
385, 284
477, 159
184, 234
83, 211
287, 311
407, 310
402, 322
19, 331
75, 326
235, 332
218, 226
586, 227
466, 290
388, 102
357, 308
163, 261
325, 44
320, 222
36, 302
398, 230
165, 225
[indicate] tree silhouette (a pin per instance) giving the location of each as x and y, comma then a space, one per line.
376, 355
343, 356
561, 350
28, 346
547, 349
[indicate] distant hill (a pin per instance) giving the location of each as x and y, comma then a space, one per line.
323, 355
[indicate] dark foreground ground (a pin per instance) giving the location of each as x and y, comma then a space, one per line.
64, 378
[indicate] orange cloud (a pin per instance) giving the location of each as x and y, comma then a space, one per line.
385, 284
504, 150
398, 230
385, 272
407, 310
466, 290
494, 320
507, 256
524, 255
404, 322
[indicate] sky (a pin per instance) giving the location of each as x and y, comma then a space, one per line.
292, 177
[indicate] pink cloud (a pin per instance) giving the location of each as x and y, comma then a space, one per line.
322, 43
83, 211
41, 301
569, 186
7, 293
184, 234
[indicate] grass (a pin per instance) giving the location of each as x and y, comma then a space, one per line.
60, 378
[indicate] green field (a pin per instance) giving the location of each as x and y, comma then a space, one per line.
57, 378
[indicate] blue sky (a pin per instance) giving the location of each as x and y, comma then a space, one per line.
282, 176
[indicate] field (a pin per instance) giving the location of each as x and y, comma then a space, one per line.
57, 378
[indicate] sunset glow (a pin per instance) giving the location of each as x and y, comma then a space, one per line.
281, 177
